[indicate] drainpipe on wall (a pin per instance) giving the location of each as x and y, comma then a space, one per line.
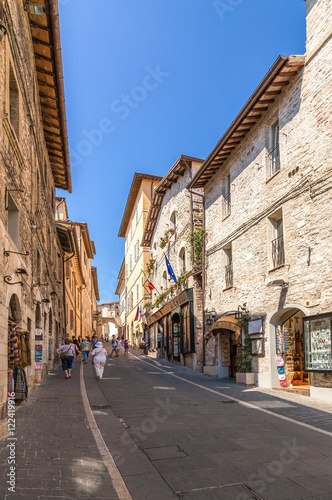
203, 269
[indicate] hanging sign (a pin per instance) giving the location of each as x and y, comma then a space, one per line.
225, 351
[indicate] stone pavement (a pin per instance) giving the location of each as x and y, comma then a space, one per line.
169, 438
56, 454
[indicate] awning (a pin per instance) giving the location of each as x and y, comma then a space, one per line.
226, 323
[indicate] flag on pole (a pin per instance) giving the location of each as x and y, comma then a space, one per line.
137, 314
150, 284
170, 270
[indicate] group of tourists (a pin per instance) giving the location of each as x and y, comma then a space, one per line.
71, 348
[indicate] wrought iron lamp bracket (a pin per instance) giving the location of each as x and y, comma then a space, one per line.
7, 279
7, 252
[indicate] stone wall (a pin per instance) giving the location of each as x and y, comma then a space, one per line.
26, 180
300, 192
179, 200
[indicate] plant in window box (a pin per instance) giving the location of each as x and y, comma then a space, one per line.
147, 306
160, 300
166, 234
196, 241
162, 243
150, 266
181, 281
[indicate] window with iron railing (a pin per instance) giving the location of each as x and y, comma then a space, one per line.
278, 251
229, 275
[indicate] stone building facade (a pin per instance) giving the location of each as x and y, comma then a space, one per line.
121, 292
136, 256
174, 316
267, 188
33, 161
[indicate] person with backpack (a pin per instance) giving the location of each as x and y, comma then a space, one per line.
85, 350
114, 346
67, 352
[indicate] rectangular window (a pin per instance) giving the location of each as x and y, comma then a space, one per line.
13, 221
71, 319
274, 151
227, 196
136, 214
228, 266
130, 262
137, 292
276, 236
14, 102
126, 270
59, 268
135, 253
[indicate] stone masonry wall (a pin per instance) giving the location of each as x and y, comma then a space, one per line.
25, 175
301, 191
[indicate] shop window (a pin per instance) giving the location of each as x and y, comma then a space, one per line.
14, 102
227, 196
276, 236
228, 259
182, 257
187, 340
13, 221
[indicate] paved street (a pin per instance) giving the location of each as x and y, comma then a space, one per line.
173, 434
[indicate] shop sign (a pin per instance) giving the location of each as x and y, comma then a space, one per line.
255, 326
225, 351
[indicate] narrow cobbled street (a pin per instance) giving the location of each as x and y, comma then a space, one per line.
172, 433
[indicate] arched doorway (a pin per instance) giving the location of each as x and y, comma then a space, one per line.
14, 310
176, 336
286, 348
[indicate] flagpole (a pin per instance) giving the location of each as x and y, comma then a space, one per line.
150, 282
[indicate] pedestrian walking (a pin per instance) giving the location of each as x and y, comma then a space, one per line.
99, 359
67, 352
94, 341
76, 342
85, 350
126, 347
118, 345
114, 346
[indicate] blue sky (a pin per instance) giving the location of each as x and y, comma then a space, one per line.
147, 81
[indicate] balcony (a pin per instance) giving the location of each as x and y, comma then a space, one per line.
278, 252
229, 275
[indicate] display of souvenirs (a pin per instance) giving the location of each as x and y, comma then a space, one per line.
18, 347
318, 354
279, 341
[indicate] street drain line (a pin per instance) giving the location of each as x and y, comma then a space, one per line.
98, 407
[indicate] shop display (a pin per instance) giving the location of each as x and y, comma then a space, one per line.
318, 353
19, 356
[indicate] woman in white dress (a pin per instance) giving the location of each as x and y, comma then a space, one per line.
99, 355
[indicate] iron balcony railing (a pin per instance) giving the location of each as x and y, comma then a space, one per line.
229, 275
278, 251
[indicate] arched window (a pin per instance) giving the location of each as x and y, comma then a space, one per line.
182, 257
173, 220
14, 312
165, 280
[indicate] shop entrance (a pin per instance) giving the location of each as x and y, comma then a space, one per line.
176, 336
289, 372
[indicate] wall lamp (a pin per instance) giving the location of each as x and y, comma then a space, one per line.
21, 271
280, 282
46, 301
7, 279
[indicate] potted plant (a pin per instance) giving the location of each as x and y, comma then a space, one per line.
181, 281
172, 231
150, 266
160, 300
162, 243
244, 362
147, 306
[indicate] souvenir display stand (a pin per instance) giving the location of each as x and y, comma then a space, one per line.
19, 356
